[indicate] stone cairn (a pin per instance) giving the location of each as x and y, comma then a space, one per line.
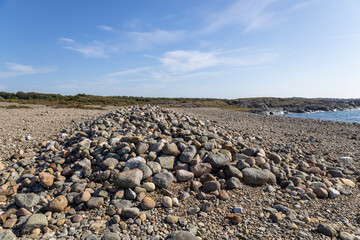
118, 168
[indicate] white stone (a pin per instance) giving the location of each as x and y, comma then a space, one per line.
333, 193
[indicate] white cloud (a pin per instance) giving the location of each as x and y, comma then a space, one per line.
129, 41
301, 5
93, 49
181, 61
128, 72
145, 40
251, 15
3, 87
69, 40
19, 67
105, 28
16, 69
181, 65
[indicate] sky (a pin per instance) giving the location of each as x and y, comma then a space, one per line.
169, 48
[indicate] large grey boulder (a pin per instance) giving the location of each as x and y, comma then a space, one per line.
134, 162
188, 154
163, 179
132, 212
217, 161
121, 203
34, 221
255, 176
166, 161
128, 179
27, 200
109, 163
139, 163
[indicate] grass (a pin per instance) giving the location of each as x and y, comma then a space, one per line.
16, 107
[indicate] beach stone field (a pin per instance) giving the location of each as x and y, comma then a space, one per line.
146, 172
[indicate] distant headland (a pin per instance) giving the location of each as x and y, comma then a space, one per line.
263, 105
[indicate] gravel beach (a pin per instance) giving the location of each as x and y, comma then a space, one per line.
150, 173
21, 128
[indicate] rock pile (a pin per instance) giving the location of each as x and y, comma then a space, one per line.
106, 179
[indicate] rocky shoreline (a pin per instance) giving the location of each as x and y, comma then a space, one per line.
145, 172
272, 106
282, 111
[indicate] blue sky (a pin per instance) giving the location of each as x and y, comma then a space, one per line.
170, 48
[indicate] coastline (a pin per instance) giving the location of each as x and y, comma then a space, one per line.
319, 143
283, 112
350, 116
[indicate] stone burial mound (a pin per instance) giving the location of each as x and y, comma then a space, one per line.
123, 176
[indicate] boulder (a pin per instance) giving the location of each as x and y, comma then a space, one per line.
255, 176
27, 200
183, 175
58, 204
128, 179
34, 221
163, 179
217, 161
188, 154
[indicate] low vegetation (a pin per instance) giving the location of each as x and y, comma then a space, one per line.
85, 101
97, 102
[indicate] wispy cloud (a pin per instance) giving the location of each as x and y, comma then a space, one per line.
16, 69
68, 40
3, 87
19, 67
181, 64
94, 49
181, 61
250, 15
105, 28
128, 41
129, 71
300, 5
146, 40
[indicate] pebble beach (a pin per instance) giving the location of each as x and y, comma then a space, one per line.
146, 172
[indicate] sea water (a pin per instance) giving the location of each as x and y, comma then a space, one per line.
339, 116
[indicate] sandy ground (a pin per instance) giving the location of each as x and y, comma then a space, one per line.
37, 122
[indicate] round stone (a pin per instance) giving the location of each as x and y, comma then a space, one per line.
149, 186
166, 202
255, 176
321, 192
147, 203
183, 175
171, 219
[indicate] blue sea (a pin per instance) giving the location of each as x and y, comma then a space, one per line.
339, 116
